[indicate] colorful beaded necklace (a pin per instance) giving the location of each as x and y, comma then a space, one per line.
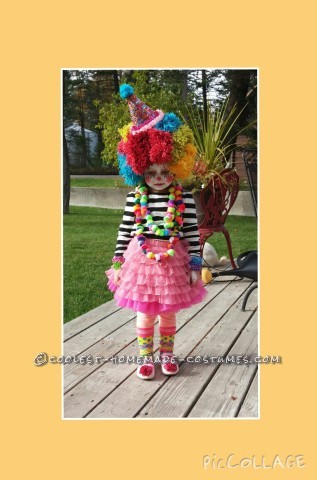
172, 220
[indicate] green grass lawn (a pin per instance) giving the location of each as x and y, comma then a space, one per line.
97, 182
89, 241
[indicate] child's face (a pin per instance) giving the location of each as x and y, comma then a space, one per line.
158, 177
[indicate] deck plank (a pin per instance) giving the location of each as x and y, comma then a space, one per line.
88, 319
226, 391
111, 345
104, 329
187, 338
249, 408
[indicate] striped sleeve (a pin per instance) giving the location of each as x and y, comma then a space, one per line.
126, 226
190, 228
158, 206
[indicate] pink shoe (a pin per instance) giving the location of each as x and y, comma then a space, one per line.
169, 364
146, 371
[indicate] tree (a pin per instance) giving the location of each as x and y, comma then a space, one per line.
239, 84
66, 172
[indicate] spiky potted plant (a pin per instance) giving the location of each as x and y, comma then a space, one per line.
215, 183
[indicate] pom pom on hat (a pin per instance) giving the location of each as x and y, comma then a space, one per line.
126, 90
170, 123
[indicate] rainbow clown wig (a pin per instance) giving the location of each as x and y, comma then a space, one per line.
153, 137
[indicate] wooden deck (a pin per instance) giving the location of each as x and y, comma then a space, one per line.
216, 327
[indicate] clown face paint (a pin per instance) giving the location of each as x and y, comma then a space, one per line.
158, 177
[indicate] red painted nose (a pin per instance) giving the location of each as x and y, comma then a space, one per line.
158, 178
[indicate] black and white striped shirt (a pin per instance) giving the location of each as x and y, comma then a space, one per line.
157, 203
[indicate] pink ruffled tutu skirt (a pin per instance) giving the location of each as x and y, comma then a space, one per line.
153, 287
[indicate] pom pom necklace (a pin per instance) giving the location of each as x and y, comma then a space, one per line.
173, 220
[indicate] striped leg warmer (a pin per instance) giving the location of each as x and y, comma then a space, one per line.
145, 332
167, 332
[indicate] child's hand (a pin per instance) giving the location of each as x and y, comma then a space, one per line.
194, 276
116, 277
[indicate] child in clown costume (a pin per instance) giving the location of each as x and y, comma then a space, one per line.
156, 266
